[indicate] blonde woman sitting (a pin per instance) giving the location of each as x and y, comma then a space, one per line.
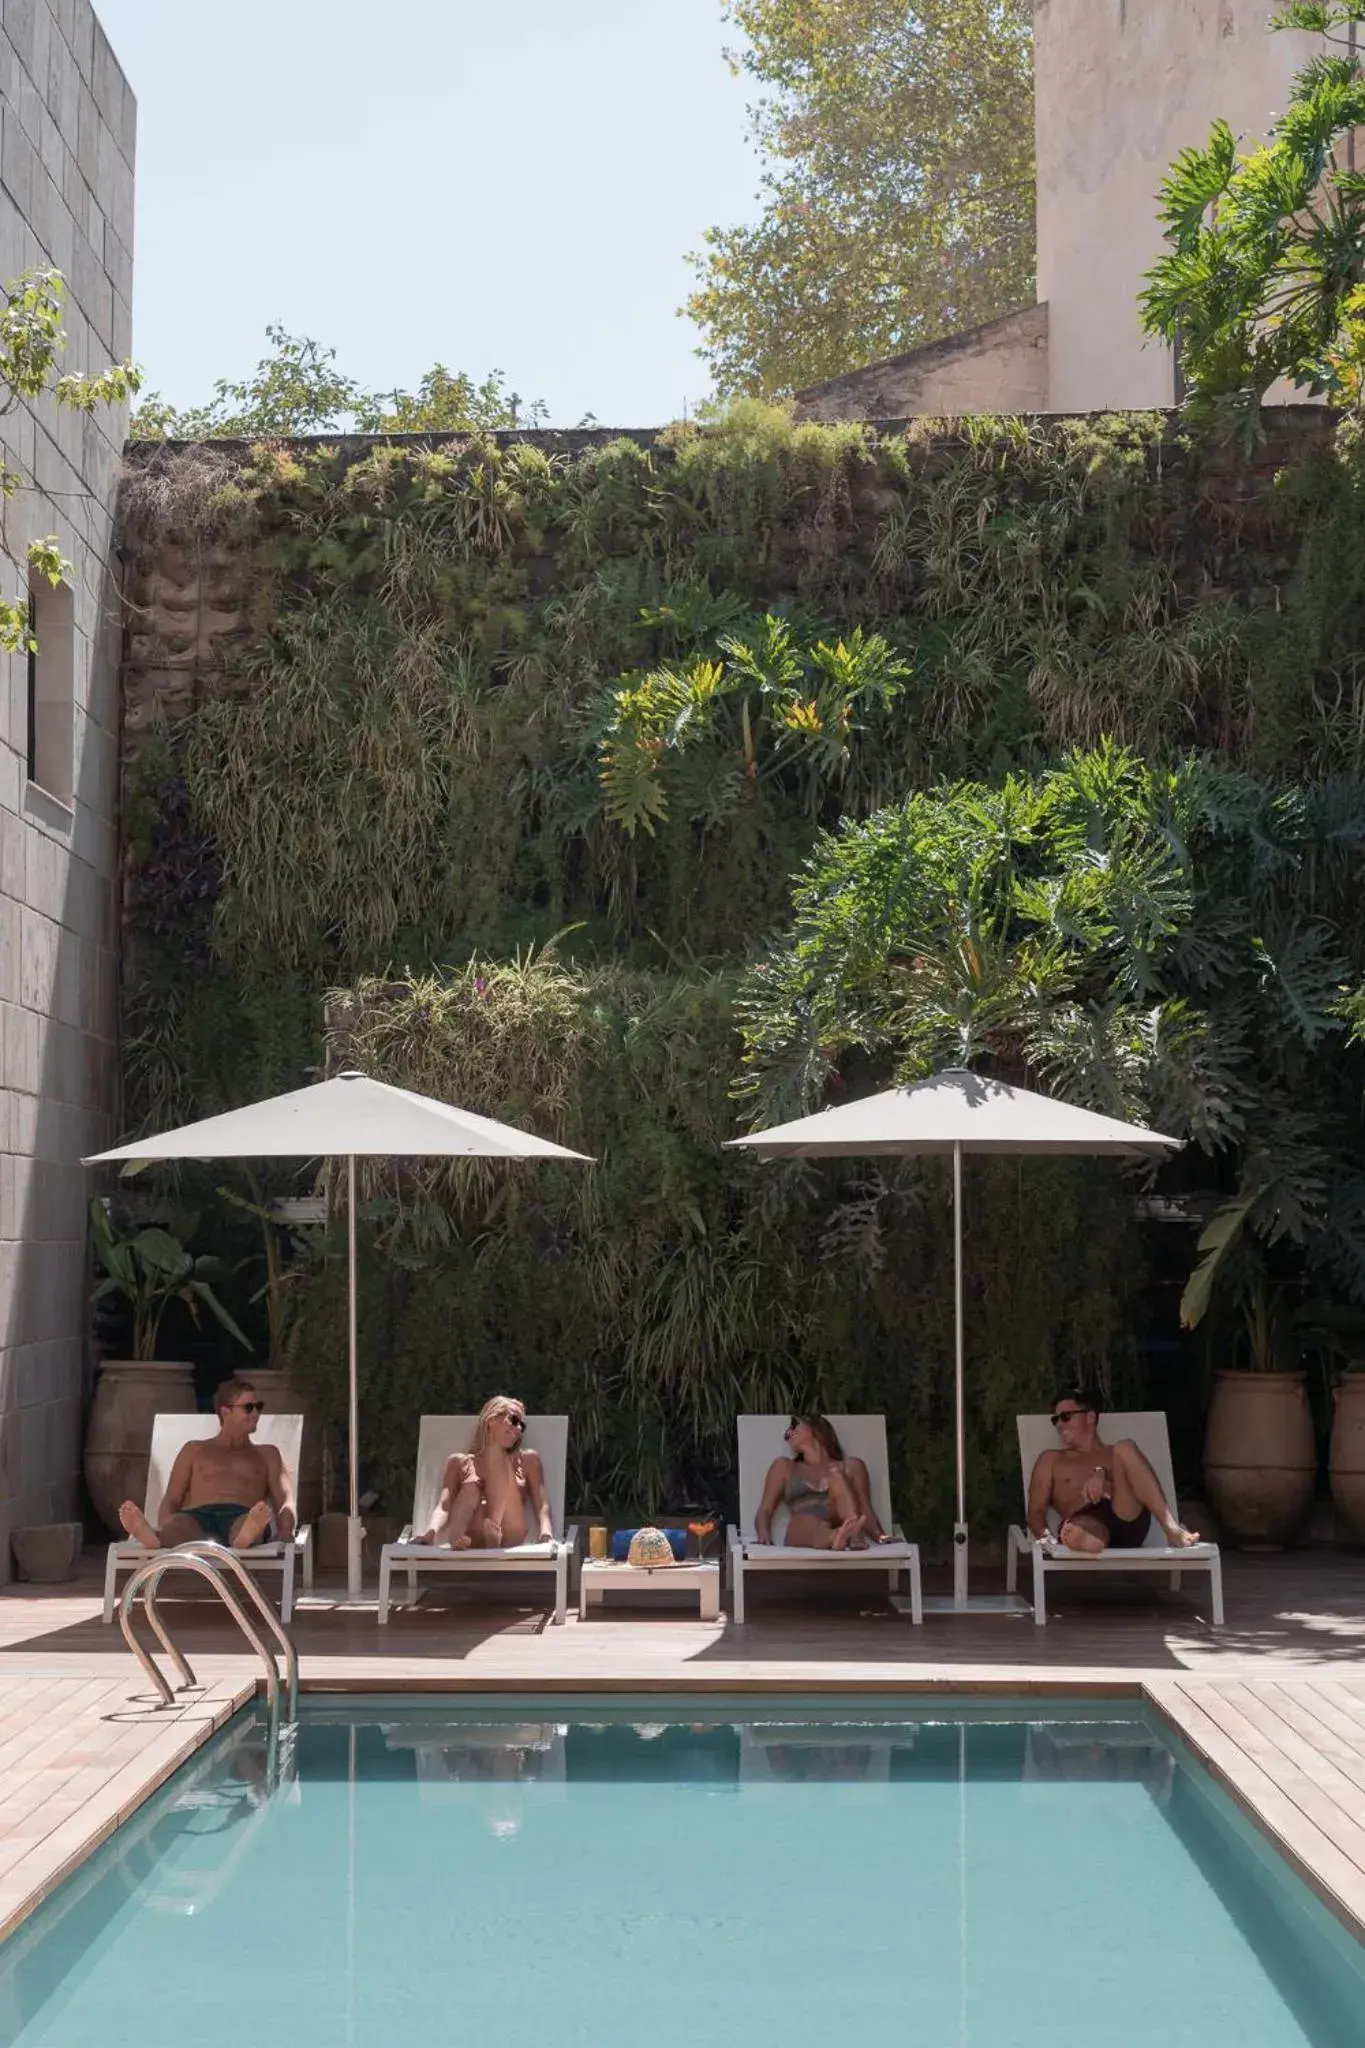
829, 1505
490, 1492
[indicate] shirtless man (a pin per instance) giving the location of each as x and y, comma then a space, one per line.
1106, 1495
489, 1492
223, 1487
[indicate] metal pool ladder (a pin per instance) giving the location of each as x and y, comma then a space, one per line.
213, 1562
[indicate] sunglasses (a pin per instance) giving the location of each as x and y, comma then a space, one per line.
1068, 1415
251, 1407
517, 1421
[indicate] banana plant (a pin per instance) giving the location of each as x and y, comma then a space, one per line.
151, 1268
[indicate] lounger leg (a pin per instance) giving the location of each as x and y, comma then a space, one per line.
1175, 1582
1216, 1588
111, 1582
412, 1585
287, 1586
916, 1592
1039, 1588
738, 1589
561, 1586
385, 1575
893, 1579
308, 1564
1011, 1564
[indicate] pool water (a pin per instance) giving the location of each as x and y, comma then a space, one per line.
657, 1872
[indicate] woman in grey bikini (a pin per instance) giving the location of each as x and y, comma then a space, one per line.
828, 1503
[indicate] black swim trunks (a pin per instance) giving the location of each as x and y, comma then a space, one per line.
1118, 1534
217, 1519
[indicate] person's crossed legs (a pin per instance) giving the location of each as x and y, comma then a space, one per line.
842, 1527
488, 1512
1135, 1487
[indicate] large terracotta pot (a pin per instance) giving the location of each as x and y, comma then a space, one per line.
1260, 1456
281, 1399
1348, 1452
129, 1395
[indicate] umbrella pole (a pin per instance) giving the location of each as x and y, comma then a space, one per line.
960, 1391
354, 1533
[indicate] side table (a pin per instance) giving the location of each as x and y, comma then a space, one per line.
596, 1575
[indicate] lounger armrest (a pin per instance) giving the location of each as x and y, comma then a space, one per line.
571, 1538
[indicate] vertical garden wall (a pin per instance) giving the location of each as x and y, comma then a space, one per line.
490, 766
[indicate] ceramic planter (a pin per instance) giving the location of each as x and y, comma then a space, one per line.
1347, 1467
129, 1395
1260, 1456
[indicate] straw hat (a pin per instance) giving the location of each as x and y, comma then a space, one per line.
649, 1548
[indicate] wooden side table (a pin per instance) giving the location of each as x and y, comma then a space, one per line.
597, 1575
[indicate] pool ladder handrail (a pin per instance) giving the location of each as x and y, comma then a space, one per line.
207, 1561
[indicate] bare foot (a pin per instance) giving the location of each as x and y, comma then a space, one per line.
1076, 1536
138, 1527
252, 1527
1179, 1537
492, 1532
846, 1531
462, 1542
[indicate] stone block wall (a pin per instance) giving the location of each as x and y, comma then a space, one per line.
67, 131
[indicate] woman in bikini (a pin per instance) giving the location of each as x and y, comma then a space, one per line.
490, 1492
828, 1503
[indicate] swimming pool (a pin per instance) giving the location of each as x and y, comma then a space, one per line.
657, 1871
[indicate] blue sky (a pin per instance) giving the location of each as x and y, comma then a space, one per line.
504, 186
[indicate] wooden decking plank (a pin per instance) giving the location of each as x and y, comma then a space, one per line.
1303, 1790
1330, 1870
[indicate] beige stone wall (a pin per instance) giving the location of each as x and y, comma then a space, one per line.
998, 368
67, 125
1122, 87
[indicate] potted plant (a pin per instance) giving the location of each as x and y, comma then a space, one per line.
146, 1269
1260, 1451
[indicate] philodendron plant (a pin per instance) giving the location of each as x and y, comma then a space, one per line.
150, 1268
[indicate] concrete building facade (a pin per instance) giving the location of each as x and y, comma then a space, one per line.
1120, 88
67, 135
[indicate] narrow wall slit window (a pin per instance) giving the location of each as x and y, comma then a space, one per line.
51, 688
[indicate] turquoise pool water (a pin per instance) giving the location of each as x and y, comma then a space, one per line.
658, 1872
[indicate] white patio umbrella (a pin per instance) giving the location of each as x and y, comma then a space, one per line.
951, 1114
349, 1117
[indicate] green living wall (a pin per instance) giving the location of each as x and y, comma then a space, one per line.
501, 785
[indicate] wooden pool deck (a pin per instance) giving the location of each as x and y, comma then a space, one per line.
1274, 1703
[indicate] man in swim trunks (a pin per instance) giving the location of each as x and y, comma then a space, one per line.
1106, 1496
223, 1487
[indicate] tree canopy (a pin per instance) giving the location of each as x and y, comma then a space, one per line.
296, 388
897, 195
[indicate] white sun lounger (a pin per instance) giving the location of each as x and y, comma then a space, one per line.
439, 1437
763, 1438
170, 1434
1147, 1429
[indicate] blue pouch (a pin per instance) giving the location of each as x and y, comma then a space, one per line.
677, 1543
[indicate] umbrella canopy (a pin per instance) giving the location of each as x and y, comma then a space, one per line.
953, 1111
349, 1117
950, 1114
